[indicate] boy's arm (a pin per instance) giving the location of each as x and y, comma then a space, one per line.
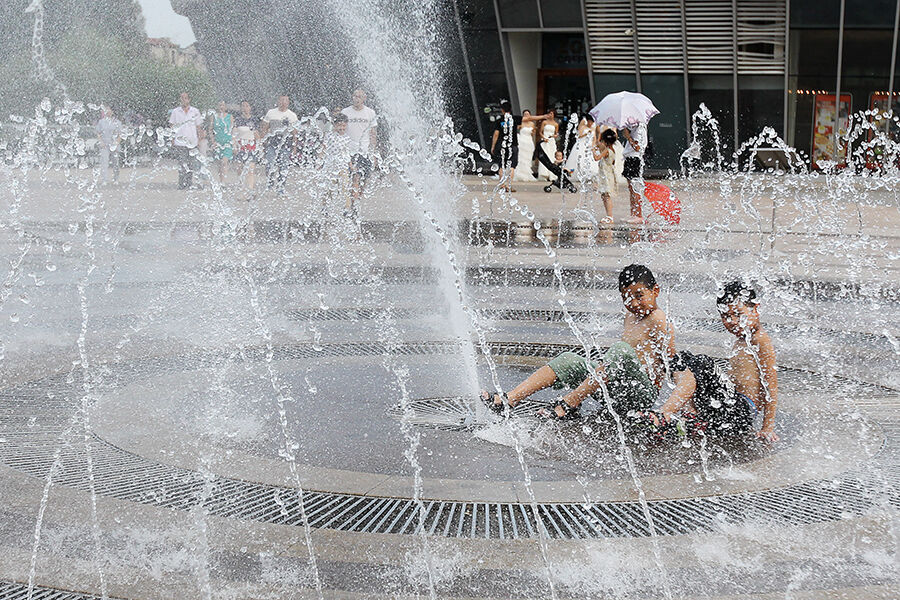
661, 336
494, 140
685, 386
769, 380
662, 342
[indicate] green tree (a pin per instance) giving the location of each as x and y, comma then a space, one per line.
97, 68
98, 50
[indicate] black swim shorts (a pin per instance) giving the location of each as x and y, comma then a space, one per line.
361, 165
508, 157
632, 167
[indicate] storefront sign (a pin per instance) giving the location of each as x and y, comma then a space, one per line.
824, 139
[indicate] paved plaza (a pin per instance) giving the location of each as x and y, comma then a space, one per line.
202, 396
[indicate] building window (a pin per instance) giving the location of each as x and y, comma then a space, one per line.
519, 13
561, 13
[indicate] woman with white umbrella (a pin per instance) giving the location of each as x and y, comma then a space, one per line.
629, 112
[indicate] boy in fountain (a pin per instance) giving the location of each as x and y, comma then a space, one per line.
752, 361
633, 369
705, 399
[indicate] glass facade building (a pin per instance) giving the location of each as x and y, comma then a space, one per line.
753, 63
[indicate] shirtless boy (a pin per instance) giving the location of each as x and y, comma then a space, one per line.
633, 369
704, 400
752, 361
707, 399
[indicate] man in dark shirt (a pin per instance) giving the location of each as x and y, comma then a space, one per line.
507, 132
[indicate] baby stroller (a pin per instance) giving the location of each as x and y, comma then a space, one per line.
562, 176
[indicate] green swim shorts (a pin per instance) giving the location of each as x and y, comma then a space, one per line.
629, 386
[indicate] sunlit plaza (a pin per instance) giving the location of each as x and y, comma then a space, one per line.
245, 354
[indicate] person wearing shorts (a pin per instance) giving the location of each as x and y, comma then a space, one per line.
279, 128
704, 401
362, 127
633, 168
632, 370
223, 136
628, 384
246, 138
361, 166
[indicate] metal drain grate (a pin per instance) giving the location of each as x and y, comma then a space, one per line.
31, 425
451, 414
536, 315
13, 590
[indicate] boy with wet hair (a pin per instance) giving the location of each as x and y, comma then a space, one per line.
752, 362
632, 370
705, 398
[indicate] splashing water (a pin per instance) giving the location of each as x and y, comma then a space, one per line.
226, 289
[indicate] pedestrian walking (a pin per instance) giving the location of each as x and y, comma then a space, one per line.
633, 172
223, 125
246, 141
362, 124
279, 134
185, 120
109, 138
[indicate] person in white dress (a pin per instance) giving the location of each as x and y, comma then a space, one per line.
581, 160
526, 150
605, 154
548, 132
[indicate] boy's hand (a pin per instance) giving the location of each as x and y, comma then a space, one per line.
768, 435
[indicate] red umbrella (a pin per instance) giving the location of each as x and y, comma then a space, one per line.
664, 202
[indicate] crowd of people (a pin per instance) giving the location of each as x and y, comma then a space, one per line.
237, 144
533, 147
277, 142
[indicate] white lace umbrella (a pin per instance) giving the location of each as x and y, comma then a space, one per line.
624, 109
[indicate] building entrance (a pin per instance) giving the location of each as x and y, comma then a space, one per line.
563, 90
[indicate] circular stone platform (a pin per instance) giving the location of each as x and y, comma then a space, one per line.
472, 485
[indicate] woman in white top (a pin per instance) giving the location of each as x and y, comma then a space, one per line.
548, 131
526, 150
581, 160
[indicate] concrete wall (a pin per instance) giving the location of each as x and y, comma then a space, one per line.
525, 51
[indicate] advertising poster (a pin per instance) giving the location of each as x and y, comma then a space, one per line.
824, 138
879, 105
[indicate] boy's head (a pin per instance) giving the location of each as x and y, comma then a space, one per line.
738, 308
340, 124
558, 157
506, 107
639, 290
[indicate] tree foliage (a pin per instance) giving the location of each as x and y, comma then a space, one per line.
98, 50
99, 69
